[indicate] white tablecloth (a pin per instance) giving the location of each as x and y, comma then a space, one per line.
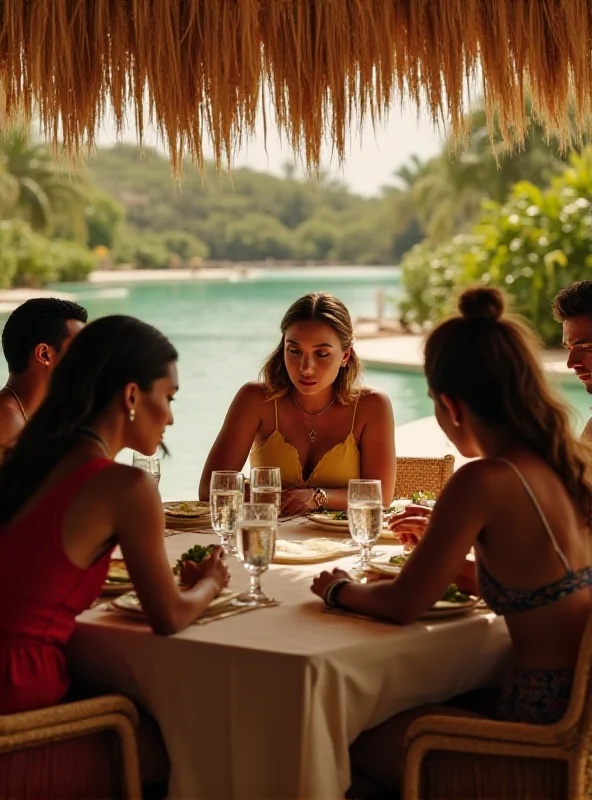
266, 704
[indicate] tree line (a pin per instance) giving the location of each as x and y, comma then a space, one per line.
125, 208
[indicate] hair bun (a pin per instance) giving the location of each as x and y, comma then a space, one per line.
482, 303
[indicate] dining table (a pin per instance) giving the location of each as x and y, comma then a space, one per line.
265, 704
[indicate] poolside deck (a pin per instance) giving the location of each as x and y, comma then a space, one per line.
404, 353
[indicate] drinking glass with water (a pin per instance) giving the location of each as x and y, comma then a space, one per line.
255, 543
226, 502
364, 512
150, 464
266, 486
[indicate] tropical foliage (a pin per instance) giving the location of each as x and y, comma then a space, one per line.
533, 244
29, 259
514, 220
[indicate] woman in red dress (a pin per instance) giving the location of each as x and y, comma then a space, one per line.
65, 504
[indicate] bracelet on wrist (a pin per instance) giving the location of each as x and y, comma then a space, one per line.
333, 590
320, 498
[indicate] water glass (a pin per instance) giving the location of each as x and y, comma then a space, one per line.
226, 502
266, 486
364, 512
255, 543
150, 464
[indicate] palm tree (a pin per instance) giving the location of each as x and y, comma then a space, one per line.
40, 192
448, 193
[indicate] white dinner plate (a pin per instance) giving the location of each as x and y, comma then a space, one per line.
443, 609
187, 509
130, 603
340, 527
328, 522
113, 588
382, 565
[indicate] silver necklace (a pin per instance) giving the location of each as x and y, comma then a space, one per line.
18, 400
90, 434
312, 435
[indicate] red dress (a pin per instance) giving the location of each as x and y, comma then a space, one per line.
41, 594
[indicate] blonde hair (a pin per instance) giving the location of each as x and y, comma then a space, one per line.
317, 307
490, 361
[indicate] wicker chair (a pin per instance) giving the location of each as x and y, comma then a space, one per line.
81, 749
422, 474
449, 758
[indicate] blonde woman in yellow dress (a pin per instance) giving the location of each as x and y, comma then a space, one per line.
310, 415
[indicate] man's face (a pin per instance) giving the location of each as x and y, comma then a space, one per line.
577, 338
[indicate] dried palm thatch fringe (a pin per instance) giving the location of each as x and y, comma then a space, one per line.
202, 66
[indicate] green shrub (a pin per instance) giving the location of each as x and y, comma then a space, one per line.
24, 256
72, 261
532, 245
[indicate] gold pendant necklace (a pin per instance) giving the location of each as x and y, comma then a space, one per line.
312, 435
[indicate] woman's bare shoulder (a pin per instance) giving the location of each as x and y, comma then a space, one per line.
251, 394
480, 474
372, 399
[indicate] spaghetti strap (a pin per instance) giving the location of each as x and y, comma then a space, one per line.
536, 504
354, 416
276, 416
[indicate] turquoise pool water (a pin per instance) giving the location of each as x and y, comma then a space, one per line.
224, 330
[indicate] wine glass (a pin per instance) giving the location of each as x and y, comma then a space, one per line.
364, 513
266, 486
150, 464
255, 543
226, 501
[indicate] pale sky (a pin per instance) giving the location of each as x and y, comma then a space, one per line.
370, 160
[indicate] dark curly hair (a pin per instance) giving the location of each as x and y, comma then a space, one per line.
574, 300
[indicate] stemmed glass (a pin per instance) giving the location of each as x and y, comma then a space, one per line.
150, 464
266, 486
255, 544
226, 502
364, 513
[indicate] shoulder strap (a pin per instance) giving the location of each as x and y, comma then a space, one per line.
355, 409
536, 504
276, 415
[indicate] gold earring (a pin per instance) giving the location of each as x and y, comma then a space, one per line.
132, 414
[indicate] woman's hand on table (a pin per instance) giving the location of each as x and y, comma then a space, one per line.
411, 523
321, 583
212, 567
297, 501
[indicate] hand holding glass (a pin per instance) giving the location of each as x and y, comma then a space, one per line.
364, 512
266, 486
150, 464
255, 543
226, 501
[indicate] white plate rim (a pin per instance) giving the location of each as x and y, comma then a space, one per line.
324, 519
225, 596
170, 510
451, 609
385, 568
343, 530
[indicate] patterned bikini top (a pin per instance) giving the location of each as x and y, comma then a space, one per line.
503, 600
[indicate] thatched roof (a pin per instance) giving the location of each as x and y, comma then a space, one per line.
203, 66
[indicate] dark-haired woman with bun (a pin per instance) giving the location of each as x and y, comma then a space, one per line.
309, 415
525, 506
65, 504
